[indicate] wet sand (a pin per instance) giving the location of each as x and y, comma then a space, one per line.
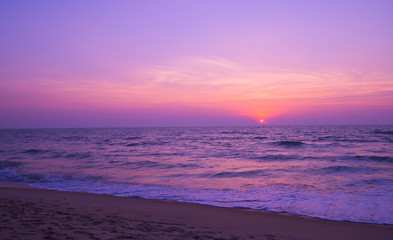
28, 213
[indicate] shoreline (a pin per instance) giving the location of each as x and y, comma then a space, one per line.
7, 184
31, 213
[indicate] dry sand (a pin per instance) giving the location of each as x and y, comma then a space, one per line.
28, 213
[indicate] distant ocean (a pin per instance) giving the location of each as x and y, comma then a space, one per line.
330, 172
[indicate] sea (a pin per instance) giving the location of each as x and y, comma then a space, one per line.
342, 173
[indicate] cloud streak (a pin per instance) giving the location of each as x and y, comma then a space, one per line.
210, 83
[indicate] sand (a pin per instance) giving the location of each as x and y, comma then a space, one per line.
28, 213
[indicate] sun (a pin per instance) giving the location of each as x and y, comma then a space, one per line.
261, 121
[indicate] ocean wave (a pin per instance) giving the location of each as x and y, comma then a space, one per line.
335, 169
104, 142
9, 164
180, 165
260, 137
55, 154
161, 154
13, 175
131, 138
152, 164
75, 138
240, 201
146, 143
59, 154
326, 137
132, 144
289, 143
236, 132
379, 131
278, 157
246, 174
226, 138
142, 164
35, 151
228, 132
361, 140
377, 181
82, 155
346, 139
374, 158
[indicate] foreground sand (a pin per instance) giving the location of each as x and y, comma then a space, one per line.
28, 213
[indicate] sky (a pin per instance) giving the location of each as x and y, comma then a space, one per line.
195, 63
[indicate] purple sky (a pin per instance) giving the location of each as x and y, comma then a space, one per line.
197, 62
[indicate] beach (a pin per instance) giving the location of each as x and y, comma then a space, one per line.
29, 213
